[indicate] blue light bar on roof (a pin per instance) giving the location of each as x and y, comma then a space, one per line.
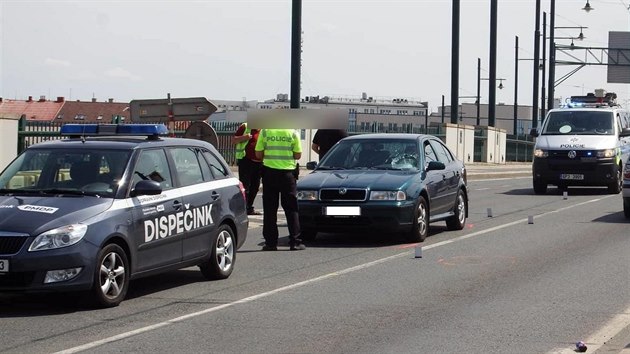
113, 129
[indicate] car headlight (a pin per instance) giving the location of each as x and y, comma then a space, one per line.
540, 153
307, 195
60, 237
606, 153
388, 195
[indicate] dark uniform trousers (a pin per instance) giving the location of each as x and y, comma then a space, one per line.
249, 174
280, 184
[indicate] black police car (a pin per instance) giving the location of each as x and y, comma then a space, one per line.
394, 183
92, 212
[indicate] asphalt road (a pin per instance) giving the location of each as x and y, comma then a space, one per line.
501, 285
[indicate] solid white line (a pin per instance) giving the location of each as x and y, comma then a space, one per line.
599, 338
141, 330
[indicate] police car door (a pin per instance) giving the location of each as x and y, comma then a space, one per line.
157, 235
202, 200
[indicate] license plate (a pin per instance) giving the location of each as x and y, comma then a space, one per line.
572, 176
4, 265
343, 211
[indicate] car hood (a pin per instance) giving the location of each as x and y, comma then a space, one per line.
371, 179
33, 215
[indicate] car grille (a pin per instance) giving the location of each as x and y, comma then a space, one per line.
11, 244
343, 194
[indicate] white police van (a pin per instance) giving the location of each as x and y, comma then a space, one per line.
113, 203
585, 143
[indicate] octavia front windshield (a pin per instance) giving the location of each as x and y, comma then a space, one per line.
385, 154
56, 171
575, 122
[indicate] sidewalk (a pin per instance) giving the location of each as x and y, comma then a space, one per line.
475, 171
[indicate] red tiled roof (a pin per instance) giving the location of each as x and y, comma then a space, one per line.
91, 111
33, 110
65, 111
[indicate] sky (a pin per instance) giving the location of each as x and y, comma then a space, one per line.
238, 49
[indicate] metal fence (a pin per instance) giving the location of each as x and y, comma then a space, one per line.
519, 147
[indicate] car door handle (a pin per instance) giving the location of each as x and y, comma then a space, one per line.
177, 205
215, 195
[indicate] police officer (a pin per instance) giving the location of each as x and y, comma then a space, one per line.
249, 167
278, 149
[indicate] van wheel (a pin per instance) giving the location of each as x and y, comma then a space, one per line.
111, 276
222, 255
540, 187
617, 185
458, 220
420, 227
626, 207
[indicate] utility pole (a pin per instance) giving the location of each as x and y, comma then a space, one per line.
493, 63
536, 67
455, 62
296, 53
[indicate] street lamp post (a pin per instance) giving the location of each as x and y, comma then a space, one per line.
536, 67
493, 63
552, 55
515, 84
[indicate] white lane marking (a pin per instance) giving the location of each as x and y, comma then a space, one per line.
141, 330
599, 338
481, 189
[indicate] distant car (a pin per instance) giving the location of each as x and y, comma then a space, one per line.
395, 183
93, 212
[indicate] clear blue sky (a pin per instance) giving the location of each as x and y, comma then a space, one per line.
234, 49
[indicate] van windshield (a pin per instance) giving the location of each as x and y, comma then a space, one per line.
579, 123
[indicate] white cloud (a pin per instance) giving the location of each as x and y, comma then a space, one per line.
56, 62
121, 73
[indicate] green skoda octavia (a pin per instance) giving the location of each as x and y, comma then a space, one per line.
393, 183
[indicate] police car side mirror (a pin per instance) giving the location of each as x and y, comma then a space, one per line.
435, 165
311, 165
533, 132
624, 132
146, 187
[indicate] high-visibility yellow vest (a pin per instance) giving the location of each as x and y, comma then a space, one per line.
278, 146
240, 147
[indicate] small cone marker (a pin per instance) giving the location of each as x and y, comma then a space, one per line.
418, 251
489, 212
530, 219
565, 195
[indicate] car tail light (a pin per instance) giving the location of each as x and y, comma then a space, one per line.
242, 188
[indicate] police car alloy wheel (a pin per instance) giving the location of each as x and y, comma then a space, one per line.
458, 221
111, 278
222, 257
420, 227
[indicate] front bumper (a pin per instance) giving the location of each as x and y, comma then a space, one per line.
600, 172
27, 270
375, 216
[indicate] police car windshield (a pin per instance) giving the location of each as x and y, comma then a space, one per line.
66, 172
579, 122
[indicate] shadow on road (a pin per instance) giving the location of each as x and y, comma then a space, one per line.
571, 191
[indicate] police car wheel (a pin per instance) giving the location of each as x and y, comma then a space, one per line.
111, 276
617, 185
458, 220
420, 227
222, 255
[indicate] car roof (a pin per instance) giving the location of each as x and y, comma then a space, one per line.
389, 136
121, 142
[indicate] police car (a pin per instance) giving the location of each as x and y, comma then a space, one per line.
112, 203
